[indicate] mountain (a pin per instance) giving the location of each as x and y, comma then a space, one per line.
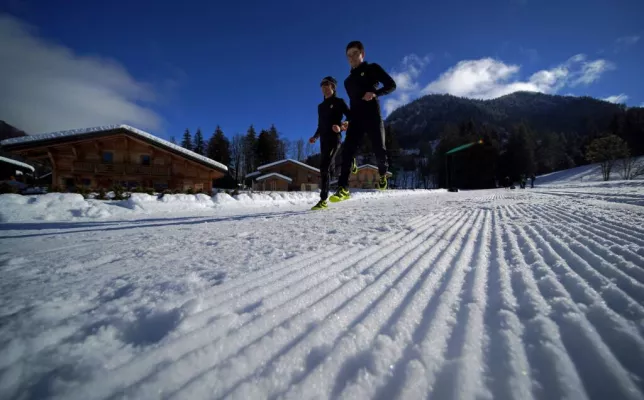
425, 118
8, 131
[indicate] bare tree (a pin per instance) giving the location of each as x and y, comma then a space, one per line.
637, 168
310, 150
632, 167
299, 150
606, 151
237, 156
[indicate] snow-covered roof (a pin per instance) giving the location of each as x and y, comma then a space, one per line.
285, 161
275, 174
367, 166
18, 163
253, 174
371, 166
100, 129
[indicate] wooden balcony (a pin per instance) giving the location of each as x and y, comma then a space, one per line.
122, 169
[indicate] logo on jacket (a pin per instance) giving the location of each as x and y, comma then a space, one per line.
331, 106
362, 74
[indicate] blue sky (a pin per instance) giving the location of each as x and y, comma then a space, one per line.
167, 66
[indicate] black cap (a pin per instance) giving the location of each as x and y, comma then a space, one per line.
329, 79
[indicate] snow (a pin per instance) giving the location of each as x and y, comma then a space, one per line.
261, 167
275, 174
493, 294
100, 129
583, 175
18, 163
256, 173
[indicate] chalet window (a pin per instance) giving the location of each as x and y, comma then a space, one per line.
86, 182
108, 157
145, 159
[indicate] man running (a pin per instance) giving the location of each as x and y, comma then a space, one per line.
330, 113
366, 118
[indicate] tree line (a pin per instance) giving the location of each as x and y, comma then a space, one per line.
243, 153
520, 151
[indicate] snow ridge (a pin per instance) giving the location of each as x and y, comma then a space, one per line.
488, 295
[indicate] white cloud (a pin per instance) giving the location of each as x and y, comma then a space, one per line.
625, 42
617, 99
591, 71
489, 78
48, 87
406, 78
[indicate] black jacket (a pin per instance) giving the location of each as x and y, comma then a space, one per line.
330, 113
365, 78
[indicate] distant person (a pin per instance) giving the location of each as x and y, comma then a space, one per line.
506, 182
532, 178
361, 86
330, 124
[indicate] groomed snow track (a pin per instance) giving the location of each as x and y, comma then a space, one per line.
486, 295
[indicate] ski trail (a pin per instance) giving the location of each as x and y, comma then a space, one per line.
616, 298
509, 371
335, 374
464, 378
610, 332
624, 235
332, 284
220, 324
553, 372
424, 358
611, 252
618, 231
347, 316
593, 359
619, 278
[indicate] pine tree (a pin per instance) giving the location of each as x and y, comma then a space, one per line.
173, 140
264, 148
186, 143
219, 147
250, 148
199, 146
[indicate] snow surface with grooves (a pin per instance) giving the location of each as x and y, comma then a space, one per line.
494, 294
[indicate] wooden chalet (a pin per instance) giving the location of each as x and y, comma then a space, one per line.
102, 157
366, 178
285, 175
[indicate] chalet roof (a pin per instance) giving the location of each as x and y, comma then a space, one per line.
371, 166
256, 173
275, 174
95, 131
261, 167
17, 163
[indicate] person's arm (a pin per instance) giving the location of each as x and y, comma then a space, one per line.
317, 131
388, 83
346, 111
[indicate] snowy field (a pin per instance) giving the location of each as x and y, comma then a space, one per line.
492, 294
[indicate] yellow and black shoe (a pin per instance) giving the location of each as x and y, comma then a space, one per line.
354, 167
341, 195
321, 205
382, 183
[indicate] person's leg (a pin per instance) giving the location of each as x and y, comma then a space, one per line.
325, 164
349, 148
376, 132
